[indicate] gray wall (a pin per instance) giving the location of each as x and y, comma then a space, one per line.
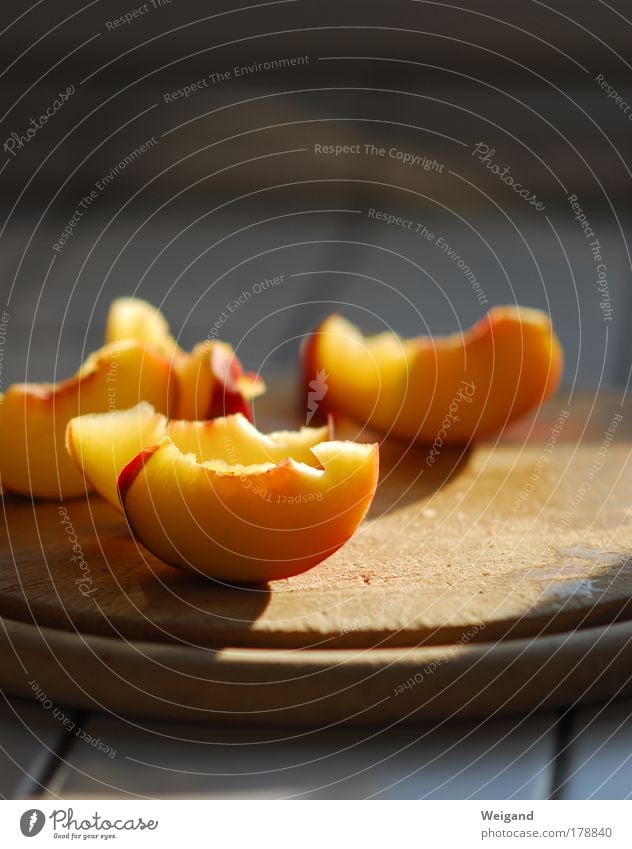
233, 192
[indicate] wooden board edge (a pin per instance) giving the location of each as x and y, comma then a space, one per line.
319, 687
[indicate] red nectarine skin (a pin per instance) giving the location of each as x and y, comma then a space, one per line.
133, 468
308, 357
227, 397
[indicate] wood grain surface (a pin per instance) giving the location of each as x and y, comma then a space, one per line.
528, 535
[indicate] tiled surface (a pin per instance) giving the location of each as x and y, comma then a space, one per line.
598, 759
504, 759
29, 738
589, 755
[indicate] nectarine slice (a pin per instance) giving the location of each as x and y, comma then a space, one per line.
451, 389
33, 417
103, 443
211, 380
237, 521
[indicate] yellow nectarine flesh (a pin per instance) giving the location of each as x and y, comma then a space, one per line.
101, 444
33, 417
136, 319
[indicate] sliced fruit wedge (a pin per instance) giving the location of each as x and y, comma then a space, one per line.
243, 522
102, 444
453, 389
33, 416
211, 380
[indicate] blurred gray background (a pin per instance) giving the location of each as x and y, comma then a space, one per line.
232, 192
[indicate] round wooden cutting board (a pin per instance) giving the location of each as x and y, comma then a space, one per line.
461, 568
